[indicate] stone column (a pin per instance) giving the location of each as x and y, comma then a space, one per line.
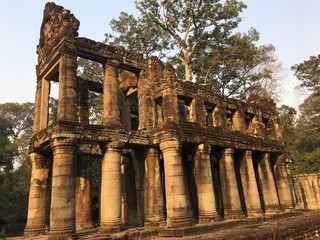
204, 185
219, 116
110, 206
62, 215
145, 103
238, 121
39, 196
37, 108
44, 105
229, 187
68, 88
83, 193
249, 185
111, 95
176, 199
154, 202
282, 183
268, 186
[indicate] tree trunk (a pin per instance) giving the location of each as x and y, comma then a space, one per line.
187, 71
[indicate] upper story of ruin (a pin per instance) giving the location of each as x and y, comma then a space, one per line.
143, 101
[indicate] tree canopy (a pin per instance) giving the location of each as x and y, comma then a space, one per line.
307, 126
308, 73
200, 39
15, 133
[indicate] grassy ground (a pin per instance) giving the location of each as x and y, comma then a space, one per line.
11, 230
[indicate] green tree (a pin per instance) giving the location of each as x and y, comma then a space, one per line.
199, 38
182, 24
21, 118
236, 66
308, 73
287, 117
15, 133
92, 71
7, 149
129, 31
307, 140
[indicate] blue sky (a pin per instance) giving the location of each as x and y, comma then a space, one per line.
292, 26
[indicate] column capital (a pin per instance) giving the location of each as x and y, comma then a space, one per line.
64, 142
203, 147
111, 63
266, 155
38, 161
169, 145
152, 151
229, 151
248, 153
113, 146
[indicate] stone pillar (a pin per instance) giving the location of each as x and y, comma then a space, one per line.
170, 104
110, 206
268, 186
257, 125
219, 116
44, 105
176, 199
204, 185
229, 186
238, 121
37, 108
111, 95
145, 103
68, 88
83, 193
282, 183
154, 202
249, 185
39, 196
277, 129
62, 215
129, 197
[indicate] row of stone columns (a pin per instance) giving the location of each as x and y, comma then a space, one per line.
268, 200
60, 208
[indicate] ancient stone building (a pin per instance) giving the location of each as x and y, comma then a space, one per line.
171, 153
307, 191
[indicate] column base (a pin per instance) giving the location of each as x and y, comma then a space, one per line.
272, 211
233, 215
113, 226
65, 231
84, 225
177, 222
209, 218
32, 231
255, 213
158, 221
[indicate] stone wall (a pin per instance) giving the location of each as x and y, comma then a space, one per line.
307, 190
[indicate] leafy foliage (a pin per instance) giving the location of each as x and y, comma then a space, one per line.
308, 73
287, 116
92, 71
7, 149
15, 132
129, 31
182, 25
307, 129
199, 38
236, 66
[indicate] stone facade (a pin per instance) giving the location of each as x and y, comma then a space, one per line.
307, 190
171, 153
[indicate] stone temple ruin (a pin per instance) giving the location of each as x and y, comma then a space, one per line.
172, 154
